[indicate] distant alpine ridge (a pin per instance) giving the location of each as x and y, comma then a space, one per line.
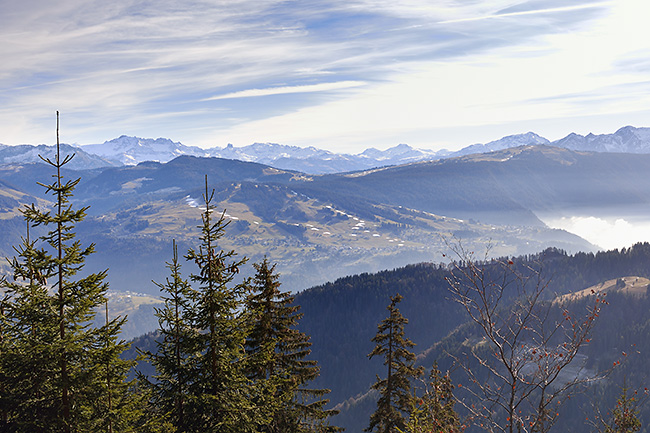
132, 150
127, 150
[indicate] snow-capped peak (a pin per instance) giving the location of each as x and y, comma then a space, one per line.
133, 150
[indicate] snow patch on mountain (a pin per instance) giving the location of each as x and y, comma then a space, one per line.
134, 150
26, 154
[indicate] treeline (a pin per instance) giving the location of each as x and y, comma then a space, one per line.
229, 358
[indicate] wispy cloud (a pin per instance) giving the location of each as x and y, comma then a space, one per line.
531, 12
321, 87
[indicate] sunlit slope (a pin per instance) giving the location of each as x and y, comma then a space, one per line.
511, 186
319, 228
312, 241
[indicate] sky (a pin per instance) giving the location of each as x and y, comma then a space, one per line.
341, 75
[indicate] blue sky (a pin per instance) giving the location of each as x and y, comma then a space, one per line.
341, 75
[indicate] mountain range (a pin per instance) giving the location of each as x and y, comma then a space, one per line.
133, 150
127, 150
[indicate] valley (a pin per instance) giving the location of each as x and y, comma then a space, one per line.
318, 228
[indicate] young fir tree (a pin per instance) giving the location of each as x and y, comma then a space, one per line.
624, 418
434, 410
276, 356
174, 357
395, 389
223, 397
4, 345
116, 398
54, 364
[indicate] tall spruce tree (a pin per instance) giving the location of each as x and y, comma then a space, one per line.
54, 364
395, 389
276, 357
224, 397
4, 344
30, 326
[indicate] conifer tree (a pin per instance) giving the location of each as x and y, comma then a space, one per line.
4, 345
433, 410
223, 395
52, 366
625, 414
31, 325
277, 351
117, 407
395, 389
173, 359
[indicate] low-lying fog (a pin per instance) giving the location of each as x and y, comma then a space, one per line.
605, 232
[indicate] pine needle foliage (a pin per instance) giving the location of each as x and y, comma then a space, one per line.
55, 361
115, 397
624, 415
223, 398
277, 353
433, 410
395, 389
174, 360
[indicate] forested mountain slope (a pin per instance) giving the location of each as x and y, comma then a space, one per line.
342, 316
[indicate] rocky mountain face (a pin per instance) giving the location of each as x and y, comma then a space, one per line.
133, 150
529, 138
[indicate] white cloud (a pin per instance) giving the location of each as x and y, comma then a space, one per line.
525, 82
